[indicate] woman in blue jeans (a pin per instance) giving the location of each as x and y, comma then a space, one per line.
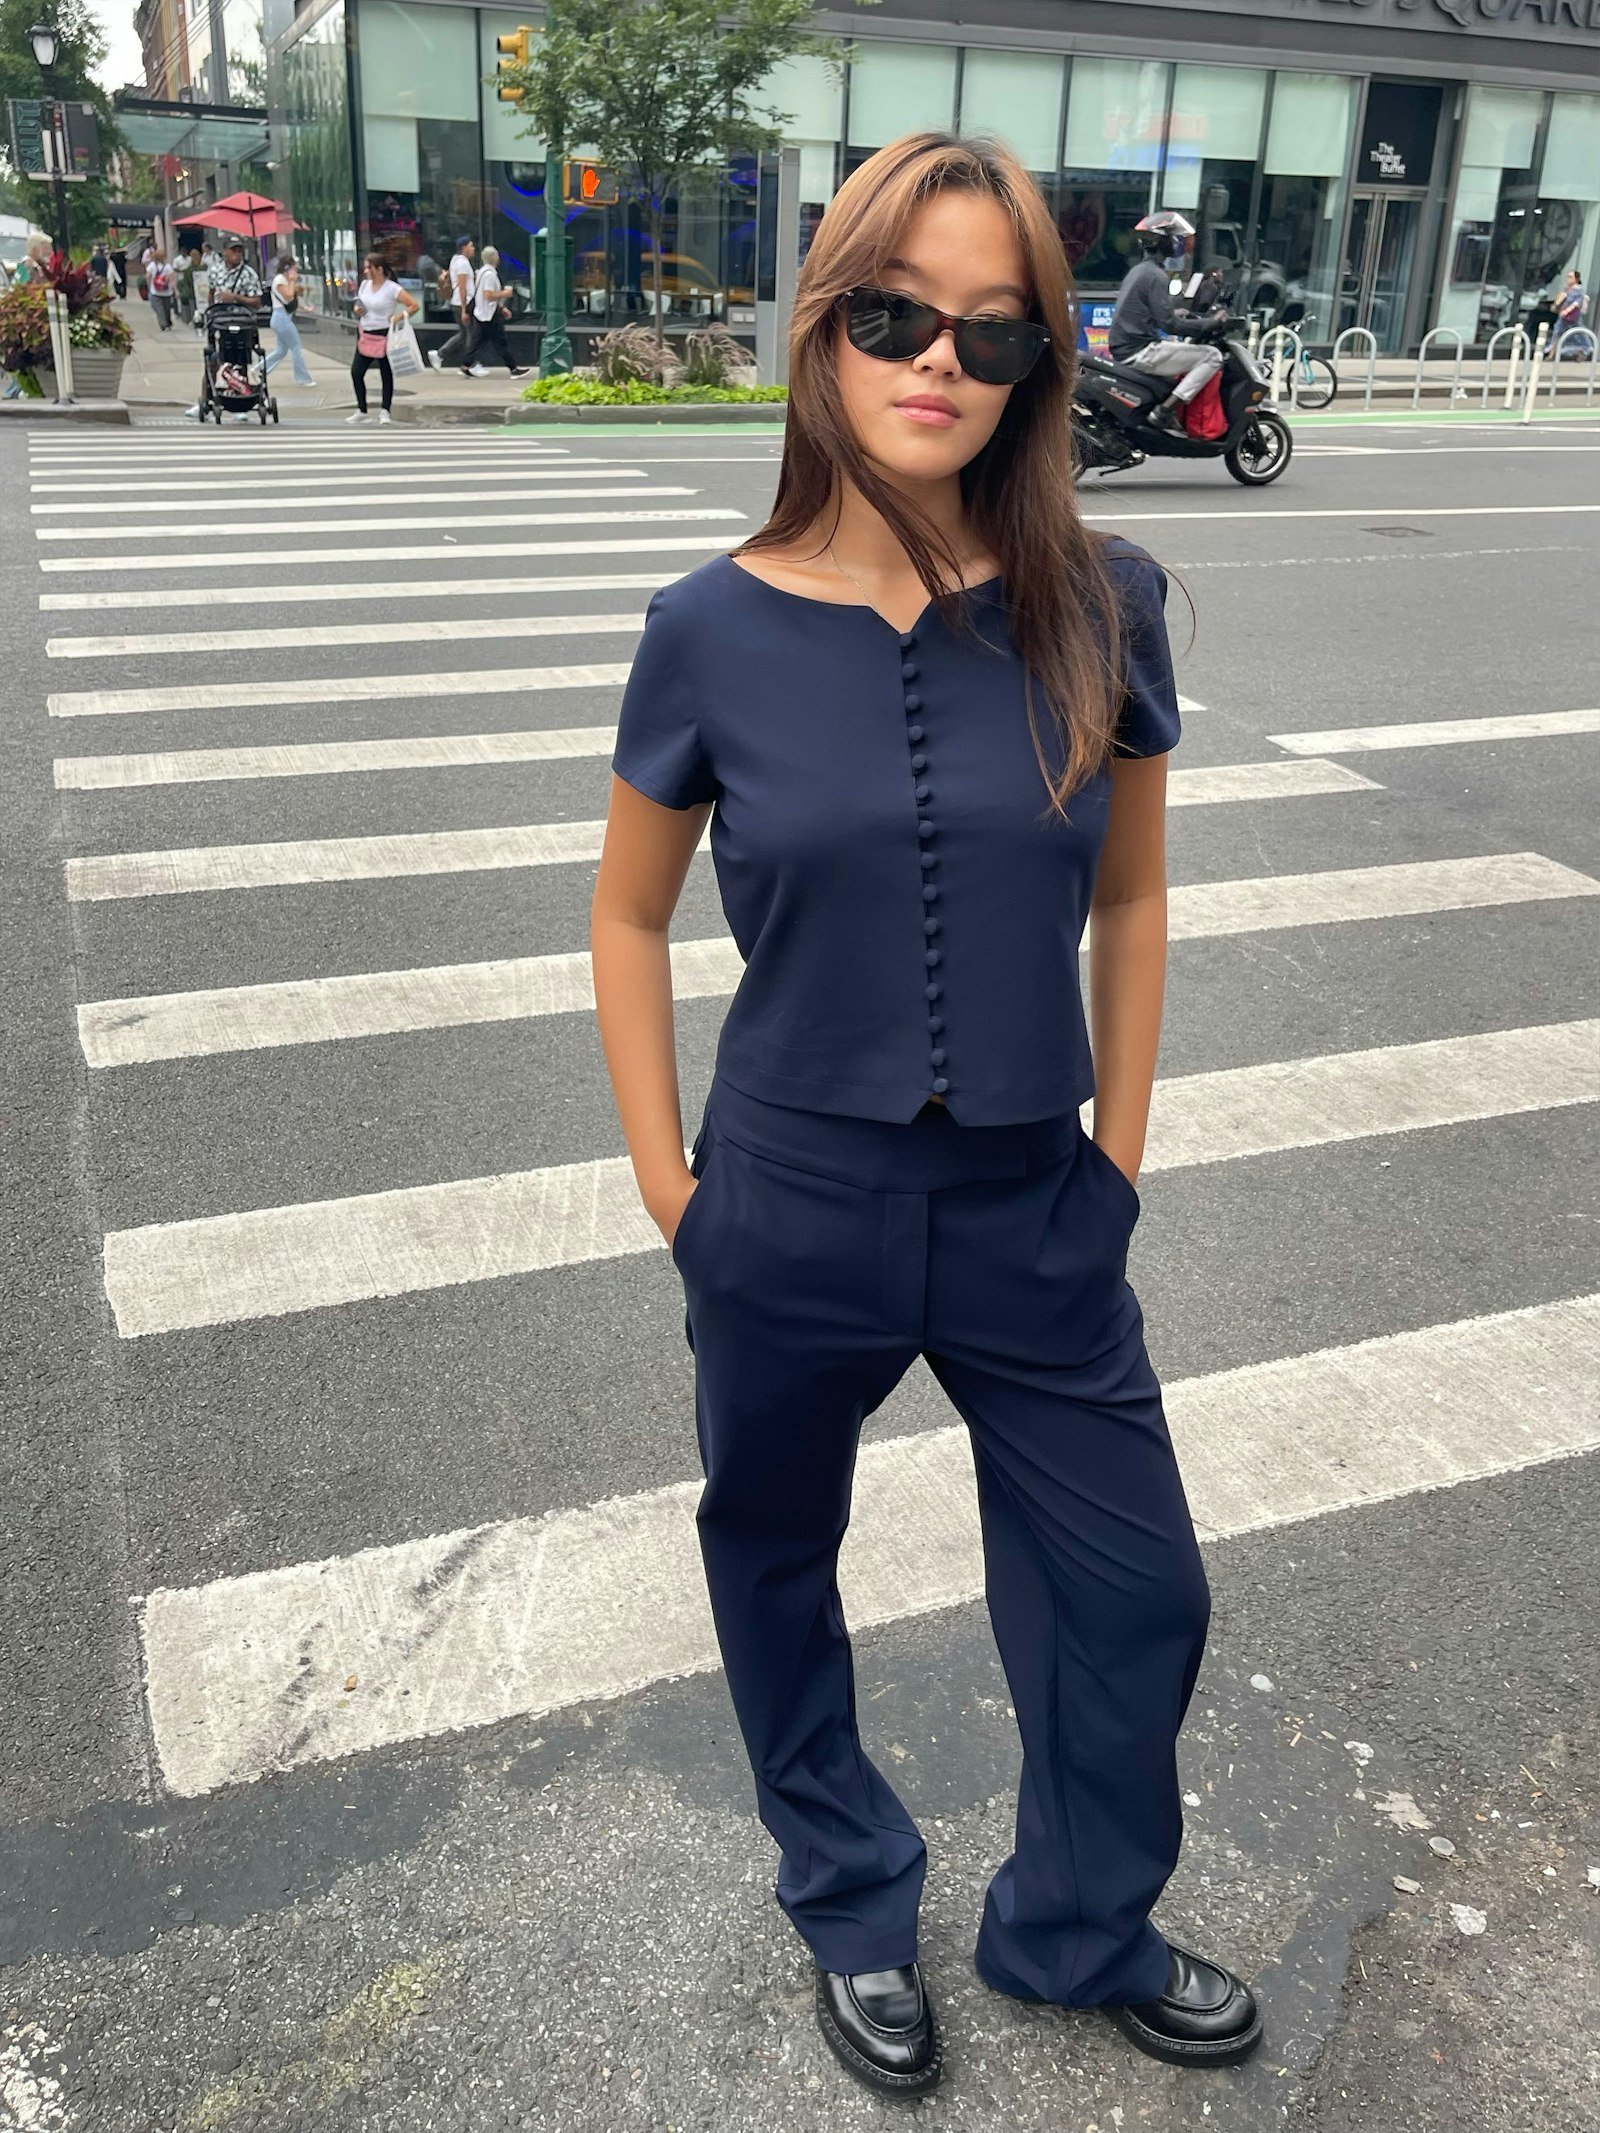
286, 334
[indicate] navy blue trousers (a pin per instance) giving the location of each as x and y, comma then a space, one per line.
820, 1256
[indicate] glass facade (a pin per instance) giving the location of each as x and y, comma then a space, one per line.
308, 81
1457, 206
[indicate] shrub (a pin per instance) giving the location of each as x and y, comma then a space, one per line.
24, 330
573, 391
631, 356
711, 355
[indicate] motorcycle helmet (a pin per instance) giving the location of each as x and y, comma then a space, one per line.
1165, 235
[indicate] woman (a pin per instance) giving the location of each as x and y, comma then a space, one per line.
490, 310
285, 333
183, 277
377, 300
931, 712
34, 265
163, 285
118, 282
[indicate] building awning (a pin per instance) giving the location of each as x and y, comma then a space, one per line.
214, 133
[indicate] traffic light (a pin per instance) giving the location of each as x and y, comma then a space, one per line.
513, 50
589, 185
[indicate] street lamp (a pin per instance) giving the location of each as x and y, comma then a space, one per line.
46, 42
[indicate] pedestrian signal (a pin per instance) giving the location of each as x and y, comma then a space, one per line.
589, 185
513, 60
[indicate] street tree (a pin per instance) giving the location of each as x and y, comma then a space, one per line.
662, 90
82, 50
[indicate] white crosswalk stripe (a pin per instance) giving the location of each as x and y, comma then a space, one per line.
250, 1674
165, 643
247, 563
315, 1255
1440, 732
385, 1003
245, 1674
439, 523
241, 696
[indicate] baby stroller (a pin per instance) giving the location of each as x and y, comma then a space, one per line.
235, 378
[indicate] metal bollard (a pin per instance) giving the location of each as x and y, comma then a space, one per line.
60, 344
1282, 337
1534, 367
1519, 348
1371, 340
1422, 357
1572, 333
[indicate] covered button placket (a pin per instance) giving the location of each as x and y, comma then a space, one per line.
933, 954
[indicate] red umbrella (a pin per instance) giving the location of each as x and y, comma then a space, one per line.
246, 214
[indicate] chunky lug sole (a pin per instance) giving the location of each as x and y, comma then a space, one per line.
905, 2086
1187, 2051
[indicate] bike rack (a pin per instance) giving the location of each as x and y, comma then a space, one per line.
1574, 333
1279, 336
1519, 355
1422, 357
1371, 340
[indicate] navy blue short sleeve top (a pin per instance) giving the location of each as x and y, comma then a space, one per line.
908, 905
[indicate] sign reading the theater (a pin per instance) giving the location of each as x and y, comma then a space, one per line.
1398, 133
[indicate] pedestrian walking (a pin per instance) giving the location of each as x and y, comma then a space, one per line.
117, 281
285, 333
891, 1159
163, 285
378, 299
1570, 307
184, 285
490, 310
34, 265
460, 346
99, 265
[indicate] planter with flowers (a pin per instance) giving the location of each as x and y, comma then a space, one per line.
100, 340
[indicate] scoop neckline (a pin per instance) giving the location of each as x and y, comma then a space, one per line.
850, 607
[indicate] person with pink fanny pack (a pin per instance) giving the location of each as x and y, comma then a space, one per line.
379, 298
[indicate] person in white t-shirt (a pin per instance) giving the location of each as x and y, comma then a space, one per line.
491, 307
461, 344
379, 299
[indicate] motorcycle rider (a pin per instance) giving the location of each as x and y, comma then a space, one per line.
1147, 327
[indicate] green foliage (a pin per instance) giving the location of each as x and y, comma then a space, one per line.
631, 355
662, 88
83, 49
570, 391
24, 330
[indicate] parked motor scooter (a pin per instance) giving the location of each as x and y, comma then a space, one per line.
1112, 403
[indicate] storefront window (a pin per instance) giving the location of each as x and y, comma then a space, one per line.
1213, 153
1295, 269
1116, 109
311, 87
896, 89
1015, 96
1569, 198
418, 69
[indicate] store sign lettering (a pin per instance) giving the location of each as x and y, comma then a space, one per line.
1468, 14
1391, 163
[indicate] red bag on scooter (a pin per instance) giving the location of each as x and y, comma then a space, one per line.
1203, 417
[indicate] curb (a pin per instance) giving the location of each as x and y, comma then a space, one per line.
113, 411
768, 411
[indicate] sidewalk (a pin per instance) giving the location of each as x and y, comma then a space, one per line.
162, 375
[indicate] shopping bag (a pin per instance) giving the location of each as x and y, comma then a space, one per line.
405, 356
1203, 418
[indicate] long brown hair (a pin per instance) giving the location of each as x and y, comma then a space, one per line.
1019, 491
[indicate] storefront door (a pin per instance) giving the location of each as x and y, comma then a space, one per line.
1379, 258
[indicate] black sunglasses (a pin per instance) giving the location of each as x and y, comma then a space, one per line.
896, 328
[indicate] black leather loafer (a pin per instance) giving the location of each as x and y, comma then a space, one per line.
1206, 2016
879, 2024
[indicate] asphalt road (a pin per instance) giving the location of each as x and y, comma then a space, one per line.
361, 1760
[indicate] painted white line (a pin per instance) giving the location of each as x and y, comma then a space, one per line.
131, 1032
313, 1256
361, 590
1260, 781
637, 483
1439, 733
266, 559
208, 868
241, 491
484, 628
1439, 451
248, 1675
316, 759
1388, 514
243, 1018
446, 550
345, 689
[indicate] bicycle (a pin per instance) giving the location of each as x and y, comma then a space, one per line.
1312, 381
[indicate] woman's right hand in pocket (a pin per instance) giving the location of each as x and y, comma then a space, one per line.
669, 1213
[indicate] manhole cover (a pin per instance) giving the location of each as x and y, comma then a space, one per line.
1400, 533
